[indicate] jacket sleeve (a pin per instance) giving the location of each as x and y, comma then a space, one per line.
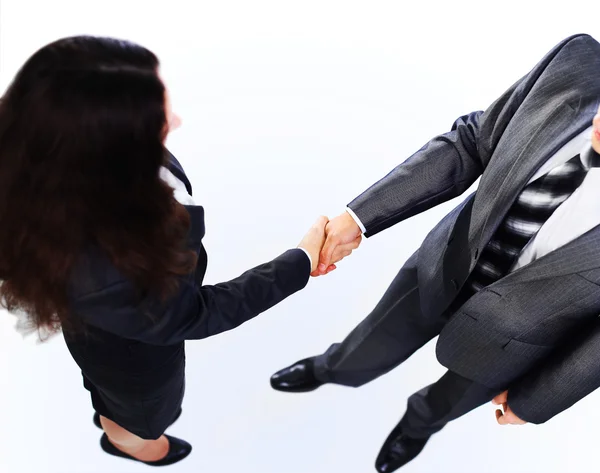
449, 164
562, 380
195, 311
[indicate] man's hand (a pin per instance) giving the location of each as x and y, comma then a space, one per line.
508, 416
343, 236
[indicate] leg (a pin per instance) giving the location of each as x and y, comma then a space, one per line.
429, 410
452, 396
391, 333
139, 448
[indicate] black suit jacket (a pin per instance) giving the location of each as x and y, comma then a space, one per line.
132, 356
105, 299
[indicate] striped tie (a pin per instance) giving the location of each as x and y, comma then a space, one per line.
533, 207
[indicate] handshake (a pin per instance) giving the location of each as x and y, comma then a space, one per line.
329, 241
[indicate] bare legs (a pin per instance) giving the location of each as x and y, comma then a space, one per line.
131, 444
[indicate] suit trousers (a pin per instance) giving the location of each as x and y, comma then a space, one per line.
389, 335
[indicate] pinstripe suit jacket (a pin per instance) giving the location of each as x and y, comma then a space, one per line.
535, 331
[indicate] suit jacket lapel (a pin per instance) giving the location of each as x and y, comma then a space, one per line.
581, 254
509, 177
197, 228
196, 233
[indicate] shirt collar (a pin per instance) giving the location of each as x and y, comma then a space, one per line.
590, 158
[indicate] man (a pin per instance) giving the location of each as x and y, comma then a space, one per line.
509, 280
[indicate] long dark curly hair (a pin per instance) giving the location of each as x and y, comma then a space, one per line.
82, 128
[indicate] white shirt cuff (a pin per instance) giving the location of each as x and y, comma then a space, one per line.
356, 219
307, 254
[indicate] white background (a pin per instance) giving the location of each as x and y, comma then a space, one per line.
290, 110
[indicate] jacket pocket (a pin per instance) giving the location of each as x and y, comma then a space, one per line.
527, 350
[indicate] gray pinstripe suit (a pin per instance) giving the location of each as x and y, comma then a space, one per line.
535, 331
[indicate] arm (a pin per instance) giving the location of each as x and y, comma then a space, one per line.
195, 312
446, 166
565, 378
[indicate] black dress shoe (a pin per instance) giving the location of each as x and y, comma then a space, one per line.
178, 450
398, 450
99, 425
297, 378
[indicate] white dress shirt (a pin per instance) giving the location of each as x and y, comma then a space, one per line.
179, 190
577, 215
181, 195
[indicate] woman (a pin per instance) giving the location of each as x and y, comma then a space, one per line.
99, 237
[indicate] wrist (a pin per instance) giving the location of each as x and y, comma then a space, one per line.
310, 258
353, 219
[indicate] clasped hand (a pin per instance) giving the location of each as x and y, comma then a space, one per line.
330, 241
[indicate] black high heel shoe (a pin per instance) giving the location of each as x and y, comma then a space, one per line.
178, 450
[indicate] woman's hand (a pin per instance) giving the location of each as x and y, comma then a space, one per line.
314, 240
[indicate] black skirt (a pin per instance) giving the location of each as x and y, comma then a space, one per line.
136, 385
